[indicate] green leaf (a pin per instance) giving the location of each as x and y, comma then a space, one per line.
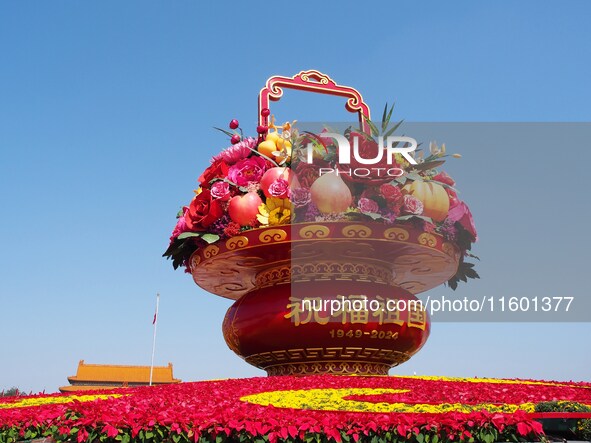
373, 127
210, 238
415, 176
185, 235
228, 133
373, 215
394, 128
386, 119
453, 283
355, 215
173, 248
408, 217
471, 273
425, 166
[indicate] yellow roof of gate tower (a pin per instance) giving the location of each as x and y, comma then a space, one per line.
91, 377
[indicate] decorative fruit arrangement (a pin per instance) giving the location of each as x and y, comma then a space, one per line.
330, 194
284, 177
433, 196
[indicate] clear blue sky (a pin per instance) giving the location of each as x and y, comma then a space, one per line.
106, 111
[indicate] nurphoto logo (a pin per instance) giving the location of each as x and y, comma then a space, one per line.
394, 145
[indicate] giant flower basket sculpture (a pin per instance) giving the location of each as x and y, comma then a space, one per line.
323, 263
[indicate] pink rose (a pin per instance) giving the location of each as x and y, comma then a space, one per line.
300, 197
220, 190
461, 214
181, 225
279, 188
247, 170
367, 205
412, 205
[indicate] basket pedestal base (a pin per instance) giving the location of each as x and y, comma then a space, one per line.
287, 281
281, 329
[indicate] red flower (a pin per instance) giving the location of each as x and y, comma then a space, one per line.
214, 408
203, 211
392, 194
232, 229
218, 169
442, 177
307, 173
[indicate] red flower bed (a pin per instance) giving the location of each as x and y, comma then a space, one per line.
337, 409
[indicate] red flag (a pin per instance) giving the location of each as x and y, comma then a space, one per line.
154, 321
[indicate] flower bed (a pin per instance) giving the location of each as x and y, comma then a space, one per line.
293, 409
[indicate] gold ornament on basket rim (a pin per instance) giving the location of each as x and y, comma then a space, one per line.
236, 242
314, 231
272, 235
396, 234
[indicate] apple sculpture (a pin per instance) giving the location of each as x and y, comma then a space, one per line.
243, 209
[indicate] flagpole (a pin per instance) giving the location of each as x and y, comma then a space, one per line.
154, 339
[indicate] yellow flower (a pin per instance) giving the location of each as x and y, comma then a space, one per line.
39, 401
275, 211
485, 380
334, 400
401, 161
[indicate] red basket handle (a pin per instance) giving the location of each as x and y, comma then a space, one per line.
312, 81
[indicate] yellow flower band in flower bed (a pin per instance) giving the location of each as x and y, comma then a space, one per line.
489, 380
334, 400
41, 401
